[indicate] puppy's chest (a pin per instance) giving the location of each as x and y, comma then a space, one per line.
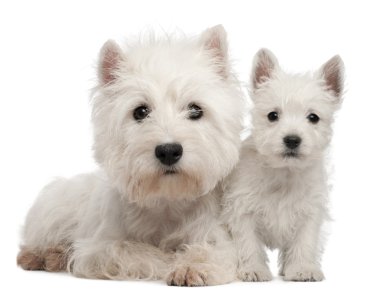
279, 213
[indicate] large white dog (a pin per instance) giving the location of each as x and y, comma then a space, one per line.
167, 116
277, 196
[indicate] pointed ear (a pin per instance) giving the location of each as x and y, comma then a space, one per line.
110, 57
215, 40
264, 65
332, 72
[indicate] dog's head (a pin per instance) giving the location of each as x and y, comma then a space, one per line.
167, 117
292, 114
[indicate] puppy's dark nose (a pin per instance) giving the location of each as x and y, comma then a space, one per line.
169, 153
292, 141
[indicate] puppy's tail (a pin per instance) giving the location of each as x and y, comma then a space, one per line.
118, 260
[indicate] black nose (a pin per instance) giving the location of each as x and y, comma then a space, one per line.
292, 141
169, 153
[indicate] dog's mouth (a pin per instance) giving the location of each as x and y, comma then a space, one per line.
170, 171
291, 154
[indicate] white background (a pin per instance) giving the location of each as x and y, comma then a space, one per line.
48, 51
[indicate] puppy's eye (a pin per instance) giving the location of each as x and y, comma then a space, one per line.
195, 112
273, 116
141, 113
313, 118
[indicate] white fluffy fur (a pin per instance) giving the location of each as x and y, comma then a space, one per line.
276, 201
130, 219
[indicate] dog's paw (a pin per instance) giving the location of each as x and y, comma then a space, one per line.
255, 275
304, 275
187, 276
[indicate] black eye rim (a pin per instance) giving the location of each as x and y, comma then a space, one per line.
273, 116
313, 118
141, 112
195, 111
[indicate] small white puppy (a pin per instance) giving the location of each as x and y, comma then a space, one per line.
277, 196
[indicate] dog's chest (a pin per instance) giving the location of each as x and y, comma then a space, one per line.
280, 210
148, 226
156, 226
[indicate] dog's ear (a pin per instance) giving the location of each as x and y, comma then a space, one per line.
264, 65
332, 72
109, 60
215, 40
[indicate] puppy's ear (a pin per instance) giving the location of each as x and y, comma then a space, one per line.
332, 72
264, 65
109, 61
215, 40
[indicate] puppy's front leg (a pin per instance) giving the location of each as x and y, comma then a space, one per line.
252, 259
300, 259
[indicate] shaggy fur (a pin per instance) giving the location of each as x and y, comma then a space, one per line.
137, 218
277, 197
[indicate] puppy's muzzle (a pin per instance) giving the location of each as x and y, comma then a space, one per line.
292, 141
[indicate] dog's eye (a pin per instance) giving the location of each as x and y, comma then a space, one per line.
195, 112
313, 118
272, 116
141, 113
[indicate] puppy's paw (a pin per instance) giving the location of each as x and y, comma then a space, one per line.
303, 275
187, 276
262, 274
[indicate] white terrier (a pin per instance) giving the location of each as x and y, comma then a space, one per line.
167, 117
277, 195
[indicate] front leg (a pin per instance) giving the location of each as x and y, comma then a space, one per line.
252, 258
212, 262
118, 259
190, 267
300, 259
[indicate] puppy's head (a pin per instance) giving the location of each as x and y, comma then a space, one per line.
292, 114
167, 117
